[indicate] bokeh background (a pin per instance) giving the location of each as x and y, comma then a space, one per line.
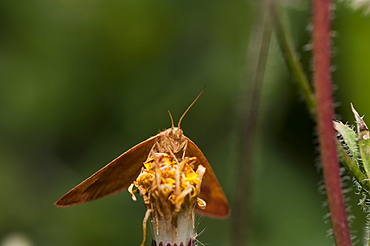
82, 81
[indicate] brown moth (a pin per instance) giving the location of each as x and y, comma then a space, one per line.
122, 171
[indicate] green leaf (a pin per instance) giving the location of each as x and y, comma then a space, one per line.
363, 141
351, 163
350, 139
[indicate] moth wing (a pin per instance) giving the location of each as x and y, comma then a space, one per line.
216, 202
112, 178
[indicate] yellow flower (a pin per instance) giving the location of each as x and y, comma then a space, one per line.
170, 189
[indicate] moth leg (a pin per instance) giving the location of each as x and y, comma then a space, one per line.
156, 146
177, 174
183, 146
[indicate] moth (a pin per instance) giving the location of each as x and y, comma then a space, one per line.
122, 171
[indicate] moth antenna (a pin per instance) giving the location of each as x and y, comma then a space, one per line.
196, 99
172, 124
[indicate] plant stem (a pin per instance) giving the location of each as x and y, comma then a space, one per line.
293, 64
292, 60
258, 50
325, 115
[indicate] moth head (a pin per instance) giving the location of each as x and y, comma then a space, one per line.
176, 132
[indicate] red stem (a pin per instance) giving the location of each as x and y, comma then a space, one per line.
325, 114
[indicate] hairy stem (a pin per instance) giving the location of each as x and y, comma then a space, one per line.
325, 115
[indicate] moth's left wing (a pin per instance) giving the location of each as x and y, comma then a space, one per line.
211, 191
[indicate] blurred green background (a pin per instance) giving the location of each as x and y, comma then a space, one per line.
82, 81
